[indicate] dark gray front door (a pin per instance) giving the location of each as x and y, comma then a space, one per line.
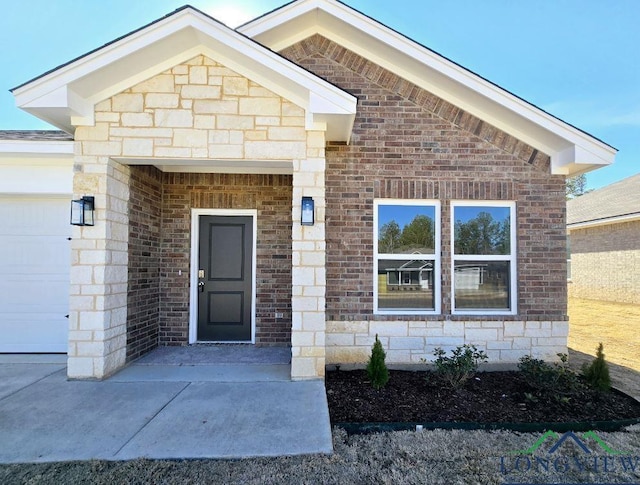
225, 278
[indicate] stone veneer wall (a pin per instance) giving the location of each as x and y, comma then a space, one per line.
605, 262
202, 110
407, 143
99, 259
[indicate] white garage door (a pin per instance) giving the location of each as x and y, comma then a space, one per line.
34, 274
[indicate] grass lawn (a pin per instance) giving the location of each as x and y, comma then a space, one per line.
616, 325
428, 457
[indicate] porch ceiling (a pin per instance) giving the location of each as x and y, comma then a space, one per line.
194, 165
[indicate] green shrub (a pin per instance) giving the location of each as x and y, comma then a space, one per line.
461, 366
557, 377
376, 368
597, 374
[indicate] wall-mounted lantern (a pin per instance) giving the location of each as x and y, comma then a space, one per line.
82, 211
308, 212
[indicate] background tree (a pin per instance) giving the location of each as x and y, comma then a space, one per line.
482, 235
389, 237
418, 234
576, 186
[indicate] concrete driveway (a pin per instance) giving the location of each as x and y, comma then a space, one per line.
179, 412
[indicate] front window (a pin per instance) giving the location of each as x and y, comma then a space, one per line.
407, 249
483, 257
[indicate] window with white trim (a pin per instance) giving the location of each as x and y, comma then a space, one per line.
483, 257
407, 256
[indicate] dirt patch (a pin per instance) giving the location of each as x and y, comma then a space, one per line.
616, 325
433, 457
490, 397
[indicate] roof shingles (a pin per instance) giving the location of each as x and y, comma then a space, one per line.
618, 199
35, 135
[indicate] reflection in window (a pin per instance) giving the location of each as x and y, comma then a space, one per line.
482, 230
481, 285
483, 257
407, 269
406, 229
405, 284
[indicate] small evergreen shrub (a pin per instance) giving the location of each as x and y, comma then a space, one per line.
597, 373
376, 368
556, 378
461, 366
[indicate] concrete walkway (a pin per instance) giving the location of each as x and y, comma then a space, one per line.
159, 411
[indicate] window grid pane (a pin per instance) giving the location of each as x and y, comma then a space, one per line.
480, 230
482, 285
406, 284
483, 261
407, 245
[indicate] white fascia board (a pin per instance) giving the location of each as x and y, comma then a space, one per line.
201, 165
87, 65
293, 12
604, 222
274, 72
575, 160
432, 72
60, 107
138, 76
36, 174
44, 148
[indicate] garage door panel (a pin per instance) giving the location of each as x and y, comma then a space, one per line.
35, 293
26, 334
26, 216
34, 274
47, 252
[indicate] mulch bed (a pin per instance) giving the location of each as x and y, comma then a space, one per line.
490, 397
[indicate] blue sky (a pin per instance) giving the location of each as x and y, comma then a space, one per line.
577, 59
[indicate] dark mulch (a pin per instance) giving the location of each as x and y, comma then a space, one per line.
490, 397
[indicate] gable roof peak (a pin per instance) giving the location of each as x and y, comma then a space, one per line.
571, 150
66, 96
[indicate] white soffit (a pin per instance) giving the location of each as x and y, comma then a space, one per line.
67, 95
205, 165
571, 150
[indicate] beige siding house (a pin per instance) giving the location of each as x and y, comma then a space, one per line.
604, 241
434, 210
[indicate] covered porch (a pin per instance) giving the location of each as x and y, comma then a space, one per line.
179, 120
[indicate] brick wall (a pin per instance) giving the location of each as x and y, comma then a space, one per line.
408, 143
605, 262
271, 196
143, 296
160, 247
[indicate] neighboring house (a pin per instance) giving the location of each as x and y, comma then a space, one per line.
199, 142
604, 241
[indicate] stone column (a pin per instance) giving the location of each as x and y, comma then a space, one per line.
98, 302
308, 271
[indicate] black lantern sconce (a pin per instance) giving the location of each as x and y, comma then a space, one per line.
82, 211
308, 212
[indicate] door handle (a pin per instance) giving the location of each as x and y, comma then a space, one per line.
201, 286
